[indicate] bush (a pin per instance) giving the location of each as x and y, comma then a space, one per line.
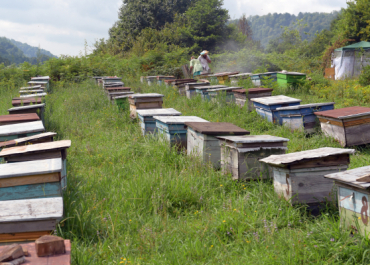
364, 78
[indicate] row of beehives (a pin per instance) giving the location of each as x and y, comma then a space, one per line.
33, 171
301, 177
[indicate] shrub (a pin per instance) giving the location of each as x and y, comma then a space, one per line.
364, 78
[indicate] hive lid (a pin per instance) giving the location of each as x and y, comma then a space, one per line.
117, 88
216, 128
274, 100
37, 82
254, 139
26, 149
31, 91
19, 117
40, 78
34, 95
241, 91
226, 73
121, 93
358, 177
21, 128
345, 113
199, 84
147, 95
31, 210
111, 78
34, 106
209, 87
291, 73
35, 167
281, 160
178, 119
124, 96
224, 89
30, 87
313, 105
240, 75
158, 112
259, 90
27, 139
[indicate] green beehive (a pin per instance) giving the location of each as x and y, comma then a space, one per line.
290, 79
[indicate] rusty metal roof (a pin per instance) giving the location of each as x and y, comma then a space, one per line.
281, 160
19, 117
259, 90
217, 128
345, 113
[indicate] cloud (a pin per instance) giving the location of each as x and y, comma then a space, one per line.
251, 7
62, 26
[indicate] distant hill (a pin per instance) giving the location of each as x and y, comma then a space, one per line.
10, 53
31, 51
269, 26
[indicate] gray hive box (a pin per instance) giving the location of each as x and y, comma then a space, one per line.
353, 198
202, 139
234, 79
350, 126
148, 123
173, 128
19, 130
144, 101
240, 155
31, 92
203, 90
299, 177
223, 92
190, 89
113, 95
35, 108
31, 87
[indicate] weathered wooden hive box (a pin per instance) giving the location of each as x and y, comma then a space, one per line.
353, 198
31, 92
299, 177
266, 106
224, 77
48, 150
202, 139
109, 90
302, 117
35, 139
222, 93
32, 258
290, 79
161, 78
144, 101
190, 89
210, 77
268, 77
111, 79
240, 96
37, 95
151, 80
113, 95
115, 84
20, 130
31, 87
122, 101
41, 80
256, 80
180, 84
16, 102
350, 126
43, 84
203, 91
148, 123
39, 109
27, 220
18, 118
234, 79
173, 128
240, 155
31, 180
244, 95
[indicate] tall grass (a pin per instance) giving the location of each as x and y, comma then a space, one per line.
132, 200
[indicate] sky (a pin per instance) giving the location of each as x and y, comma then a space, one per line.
63, 26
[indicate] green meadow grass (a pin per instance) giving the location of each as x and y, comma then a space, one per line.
133, 200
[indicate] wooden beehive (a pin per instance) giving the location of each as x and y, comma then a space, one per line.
122, 101
37, 95
43, 84
148, 123
224, 77
115, 84
32, 258
290, 79
27, 220
202, 139
16, 102
268, 77
31, 87
151, 80
203, 91
19, 130
111, 79
240, 96
161, 78
144, 101
18, 118
35, 108
31, 92
113, 95
234, 79
222, 93
353, 198
299, 177
173, 128
256, 80
109, 90
35, 139
266, 106
31, 179
48, 150
190, 89
302, 117
350, 126
240, 155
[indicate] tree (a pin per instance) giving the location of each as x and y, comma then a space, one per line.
244, 27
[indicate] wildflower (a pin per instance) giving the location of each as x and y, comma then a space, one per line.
130, 220
315, 246
359, 218
220, 185
332, 239
211, 246
224, 221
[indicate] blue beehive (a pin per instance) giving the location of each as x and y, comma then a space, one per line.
267, 107
302, 116
148, 123
173, 128
272, 76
